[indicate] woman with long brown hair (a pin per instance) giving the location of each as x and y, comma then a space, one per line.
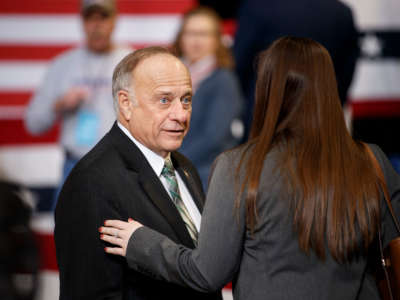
294, 212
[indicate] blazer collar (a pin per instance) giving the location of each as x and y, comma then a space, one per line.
151, 184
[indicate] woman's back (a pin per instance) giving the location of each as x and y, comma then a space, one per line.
272, 264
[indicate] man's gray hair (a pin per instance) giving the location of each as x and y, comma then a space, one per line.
122, 77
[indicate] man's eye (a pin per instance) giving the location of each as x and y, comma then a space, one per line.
164, 100
186, 100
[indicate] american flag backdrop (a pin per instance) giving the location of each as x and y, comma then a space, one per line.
376, 85
32, 32
375, 91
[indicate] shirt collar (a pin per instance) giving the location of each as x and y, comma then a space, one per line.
156, 161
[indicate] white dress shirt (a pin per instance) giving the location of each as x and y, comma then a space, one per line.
157, 163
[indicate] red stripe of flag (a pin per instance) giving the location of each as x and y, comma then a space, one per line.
377, 108
73, 6
47, 251
31, 52
153, 6
229, 27
13, 98
13, 132
44, 52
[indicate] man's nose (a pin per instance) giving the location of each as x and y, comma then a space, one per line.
179, 112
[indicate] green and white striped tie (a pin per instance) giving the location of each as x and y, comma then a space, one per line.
168, 173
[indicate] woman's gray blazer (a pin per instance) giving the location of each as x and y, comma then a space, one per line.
267, 264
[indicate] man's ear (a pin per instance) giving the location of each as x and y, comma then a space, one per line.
124, 105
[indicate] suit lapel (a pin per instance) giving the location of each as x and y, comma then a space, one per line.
159, 196
193, 187
151, 184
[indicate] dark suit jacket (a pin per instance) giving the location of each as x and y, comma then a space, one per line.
329, 22
115, 181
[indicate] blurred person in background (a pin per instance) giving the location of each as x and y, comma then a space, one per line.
217, 102
76, 88
328, 22
294, 212
19, 255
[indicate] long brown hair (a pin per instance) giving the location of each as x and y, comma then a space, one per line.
333, 185
223, 55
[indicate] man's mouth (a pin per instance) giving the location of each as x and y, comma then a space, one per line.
175, 131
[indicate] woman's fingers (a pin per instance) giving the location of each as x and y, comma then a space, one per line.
116, 224
115, 251
109, 230
118, 233
112, 240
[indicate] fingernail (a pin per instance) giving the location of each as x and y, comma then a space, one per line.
105, 249
100, 229
101, 236
130, 219
105, 223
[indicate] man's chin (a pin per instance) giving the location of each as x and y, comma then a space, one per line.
171, 146
99, 47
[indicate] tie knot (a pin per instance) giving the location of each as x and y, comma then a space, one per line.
168, 169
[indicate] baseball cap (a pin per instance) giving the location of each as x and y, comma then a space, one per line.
107, 6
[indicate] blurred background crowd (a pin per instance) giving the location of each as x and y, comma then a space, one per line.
56, 62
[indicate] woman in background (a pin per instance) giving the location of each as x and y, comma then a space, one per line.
215, 125
291, 214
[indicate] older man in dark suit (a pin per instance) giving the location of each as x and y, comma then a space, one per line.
134, 171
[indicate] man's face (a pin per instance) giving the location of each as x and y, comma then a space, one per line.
160, 115
98, 28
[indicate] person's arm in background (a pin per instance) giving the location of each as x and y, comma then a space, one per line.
217, 258
86, 271
246, 46
251, 37
225, 104
50, 100
348, 56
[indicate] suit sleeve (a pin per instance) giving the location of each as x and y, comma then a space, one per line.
86, 271
216, 260
247, 45
393, 184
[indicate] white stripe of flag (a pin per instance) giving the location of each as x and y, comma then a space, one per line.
67, 29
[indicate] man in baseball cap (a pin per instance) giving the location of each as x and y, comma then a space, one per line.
76, 89
106, 7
